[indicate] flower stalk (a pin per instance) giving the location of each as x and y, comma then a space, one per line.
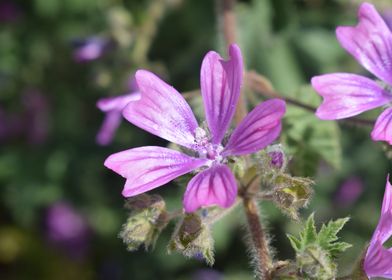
263, 260
227, 21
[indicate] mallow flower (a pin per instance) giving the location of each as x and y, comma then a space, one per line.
163, 112
346, 95
378, 260
90, 48
112, 107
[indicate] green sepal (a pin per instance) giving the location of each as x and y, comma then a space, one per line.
192, 237
147, 219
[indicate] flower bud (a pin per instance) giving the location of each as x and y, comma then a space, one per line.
291, 193
193, 238
147, 219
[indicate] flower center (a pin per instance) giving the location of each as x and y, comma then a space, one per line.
206, 149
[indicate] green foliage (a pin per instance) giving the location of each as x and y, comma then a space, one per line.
316, 252
308, 138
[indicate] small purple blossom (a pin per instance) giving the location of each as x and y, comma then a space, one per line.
36, 116
162, 111
31, 124
67, 229
112, 107
346, 95
349, 191
90, 48
9, 11
207, 274
378, 259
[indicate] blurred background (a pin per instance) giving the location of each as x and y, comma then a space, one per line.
61, 210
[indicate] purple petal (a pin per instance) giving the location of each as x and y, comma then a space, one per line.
220, 87
113, 107
370, 42
162, 111
90, 49
382, 130
384, 227
147, 168
213, 186
347, 95
378, 259
387, 17
108, 129
117, 103
259, 128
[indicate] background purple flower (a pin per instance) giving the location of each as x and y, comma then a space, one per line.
67, 229
113, 107
346, 95
90, 48
36, 116
349, 191
9, 11
207, 274
31, 124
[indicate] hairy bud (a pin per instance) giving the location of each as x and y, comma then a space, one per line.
192, 238
147, 219
292, 193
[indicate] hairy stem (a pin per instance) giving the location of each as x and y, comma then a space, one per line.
263, 260
227, 22
147, 31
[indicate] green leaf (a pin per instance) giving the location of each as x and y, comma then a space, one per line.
295, 242
308, 138
338, 247
316, 252
309, 234
328, 235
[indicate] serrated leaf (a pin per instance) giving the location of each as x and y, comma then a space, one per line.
295, 242
309, 234
317, 251
328, 233
338, 247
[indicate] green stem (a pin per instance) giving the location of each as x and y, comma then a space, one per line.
148, 30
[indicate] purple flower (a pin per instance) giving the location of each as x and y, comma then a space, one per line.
164, 112
378, 259
9, 11
90, 49
207, 274
31, 124
113, 107
67, 229
36, 116
349, 191
346, 95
